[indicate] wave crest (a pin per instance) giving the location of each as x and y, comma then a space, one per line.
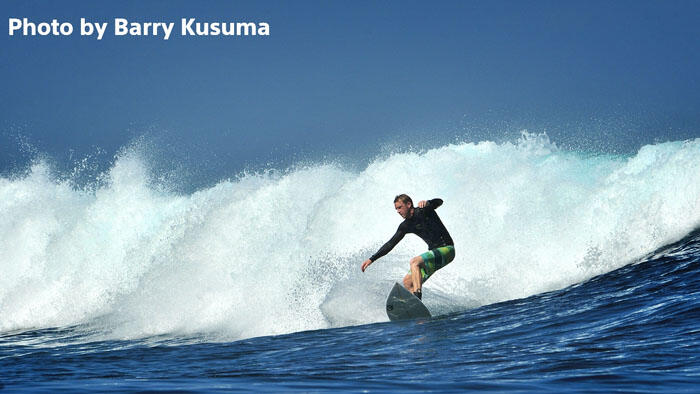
279, 251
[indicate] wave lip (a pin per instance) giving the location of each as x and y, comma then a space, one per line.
279, 251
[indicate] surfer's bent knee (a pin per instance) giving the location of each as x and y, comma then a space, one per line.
418, 260
433, 260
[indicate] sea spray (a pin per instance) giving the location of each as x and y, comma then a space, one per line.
279, 251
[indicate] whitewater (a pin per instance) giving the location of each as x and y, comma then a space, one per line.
279, 251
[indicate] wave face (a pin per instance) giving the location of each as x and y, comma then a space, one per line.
279, 251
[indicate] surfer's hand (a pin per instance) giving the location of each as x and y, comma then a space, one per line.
366, 264
422, 204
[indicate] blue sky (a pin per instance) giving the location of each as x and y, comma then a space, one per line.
348, 79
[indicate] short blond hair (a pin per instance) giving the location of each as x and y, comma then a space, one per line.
404, 198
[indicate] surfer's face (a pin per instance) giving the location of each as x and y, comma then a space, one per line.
403, 209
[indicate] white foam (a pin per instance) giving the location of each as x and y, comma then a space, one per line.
280, 252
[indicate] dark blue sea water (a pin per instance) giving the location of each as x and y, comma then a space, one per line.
574, 272
633, 329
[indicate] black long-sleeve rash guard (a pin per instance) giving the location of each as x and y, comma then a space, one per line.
426, 224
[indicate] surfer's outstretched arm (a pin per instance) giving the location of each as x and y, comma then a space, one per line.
386, 248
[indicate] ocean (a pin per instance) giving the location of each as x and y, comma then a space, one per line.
575, 271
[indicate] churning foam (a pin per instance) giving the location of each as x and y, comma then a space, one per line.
279, 252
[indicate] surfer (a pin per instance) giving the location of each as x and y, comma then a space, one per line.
425, 223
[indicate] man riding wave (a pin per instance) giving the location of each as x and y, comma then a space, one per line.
425, 223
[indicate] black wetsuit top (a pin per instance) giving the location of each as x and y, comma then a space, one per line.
426, 224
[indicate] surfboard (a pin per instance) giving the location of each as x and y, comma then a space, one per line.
402, 305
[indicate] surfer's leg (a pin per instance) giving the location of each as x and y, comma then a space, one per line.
422, 267
408, 282
416, 277
425, 265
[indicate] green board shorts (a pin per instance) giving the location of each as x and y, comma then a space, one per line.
435, 259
